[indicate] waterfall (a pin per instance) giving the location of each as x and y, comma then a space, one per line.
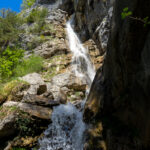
67, 128
82, 65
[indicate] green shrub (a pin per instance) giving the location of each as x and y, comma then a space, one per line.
49, 27
30, 65
23, 124
9, 27
9, 60
37, 15
6, 88
37, 27
125, 13
13, 65
42, 26
36, 41
27, 3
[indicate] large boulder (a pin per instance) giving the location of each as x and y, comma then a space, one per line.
33, 110
37, 85
69, 84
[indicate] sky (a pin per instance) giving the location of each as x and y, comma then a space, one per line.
14, 5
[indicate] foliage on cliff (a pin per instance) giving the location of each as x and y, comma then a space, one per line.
27, 3
11, 50
9, 28
9, 59
37, 15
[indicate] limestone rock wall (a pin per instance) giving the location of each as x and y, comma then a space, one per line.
89, 16
119, 97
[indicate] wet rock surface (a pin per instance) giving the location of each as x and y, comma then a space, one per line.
96, 58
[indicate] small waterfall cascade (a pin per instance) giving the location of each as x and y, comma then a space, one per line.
67, 129
82, 65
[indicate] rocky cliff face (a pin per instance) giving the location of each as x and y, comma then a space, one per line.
25, 111
117, 107
89, 18
119, 97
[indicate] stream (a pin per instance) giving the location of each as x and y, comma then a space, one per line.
66, 132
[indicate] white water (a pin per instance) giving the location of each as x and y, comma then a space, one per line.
65, 133
67, 129
82, 65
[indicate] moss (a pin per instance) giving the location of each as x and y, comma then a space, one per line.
71, 99
13, 108
7, 88
77, 93
2, 114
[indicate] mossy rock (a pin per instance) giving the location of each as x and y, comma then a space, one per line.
9, 90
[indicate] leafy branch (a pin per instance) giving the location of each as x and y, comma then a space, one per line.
126, 13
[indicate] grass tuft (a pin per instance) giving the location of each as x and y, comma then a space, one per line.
30, 65
6, 89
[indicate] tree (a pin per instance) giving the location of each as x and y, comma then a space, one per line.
9, 27
27, 3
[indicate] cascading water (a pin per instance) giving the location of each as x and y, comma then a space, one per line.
67, 128
82, 65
